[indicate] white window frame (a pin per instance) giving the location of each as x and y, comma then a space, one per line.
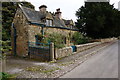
49, 22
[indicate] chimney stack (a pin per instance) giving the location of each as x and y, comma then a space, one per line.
42, 8
58, 13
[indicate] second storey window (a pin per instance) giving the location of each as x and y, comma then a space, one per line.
49, 22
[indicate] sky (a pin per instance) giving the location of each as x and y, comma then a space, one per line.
68, 7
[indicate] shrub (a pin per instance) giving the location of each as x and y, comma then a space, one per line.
56, 38
78, 38
5, 76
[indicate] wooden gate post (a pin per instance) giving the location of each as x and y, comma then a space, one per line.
51, 51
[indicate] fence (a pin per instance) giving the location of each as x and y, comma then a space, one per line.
41, 51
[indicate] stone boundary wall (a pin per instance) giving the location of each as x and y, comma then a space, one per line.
87, 46
60, 53
104, 40
67, 51
108, 39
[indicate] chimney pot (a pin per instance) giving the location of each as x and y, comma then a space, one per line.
43, 8
58, 13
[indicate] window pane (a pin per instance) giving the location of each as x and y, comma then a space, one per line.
47, 22
50, 22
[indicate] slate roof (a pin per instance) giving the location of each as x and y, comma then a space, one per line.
58, 22
67, 22
32, 15
70, 22
37, 16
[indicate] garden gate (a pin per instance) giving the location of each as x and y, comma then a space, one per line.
40, 51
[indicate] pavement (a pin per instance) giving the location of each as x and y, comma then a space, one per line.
104, 64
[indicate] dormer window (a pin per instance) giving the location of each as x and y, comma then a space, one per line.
49, 22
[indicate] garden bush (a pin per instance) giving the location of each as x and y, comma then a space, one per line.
79, 38
56, 38
5, 76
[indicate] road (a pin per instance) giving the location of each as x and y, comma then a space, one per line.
104, 64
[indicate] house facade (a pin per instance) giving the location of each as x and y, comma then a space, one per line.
28, 23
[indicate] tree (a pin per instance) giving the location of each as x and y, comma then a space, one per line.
8, 13
97, 20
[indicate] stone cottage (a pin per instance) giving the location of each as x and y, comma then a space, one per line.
28, 23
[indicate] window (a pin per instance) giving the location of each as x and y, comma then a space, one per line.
49, 23
38, 38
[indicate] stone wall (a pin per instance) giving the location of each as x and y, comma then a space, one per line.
34, 30
107, 40
65, 32
60, 53
20, 23
67, 51
86, 46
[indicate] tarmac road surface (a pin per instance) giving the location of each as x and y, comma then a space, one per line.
104, 64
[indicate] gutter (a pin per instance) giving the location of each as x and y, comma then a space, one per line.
34, 23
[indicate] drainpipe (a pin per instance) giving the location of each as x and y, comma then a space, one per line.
14, 31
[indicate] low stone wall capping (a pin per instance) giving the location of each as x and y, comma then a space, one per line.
86, 46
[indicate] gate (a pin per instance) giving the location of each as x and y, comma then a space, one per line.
39, 51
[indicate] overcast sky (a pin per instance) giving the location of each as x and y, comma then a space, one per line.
68, 7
